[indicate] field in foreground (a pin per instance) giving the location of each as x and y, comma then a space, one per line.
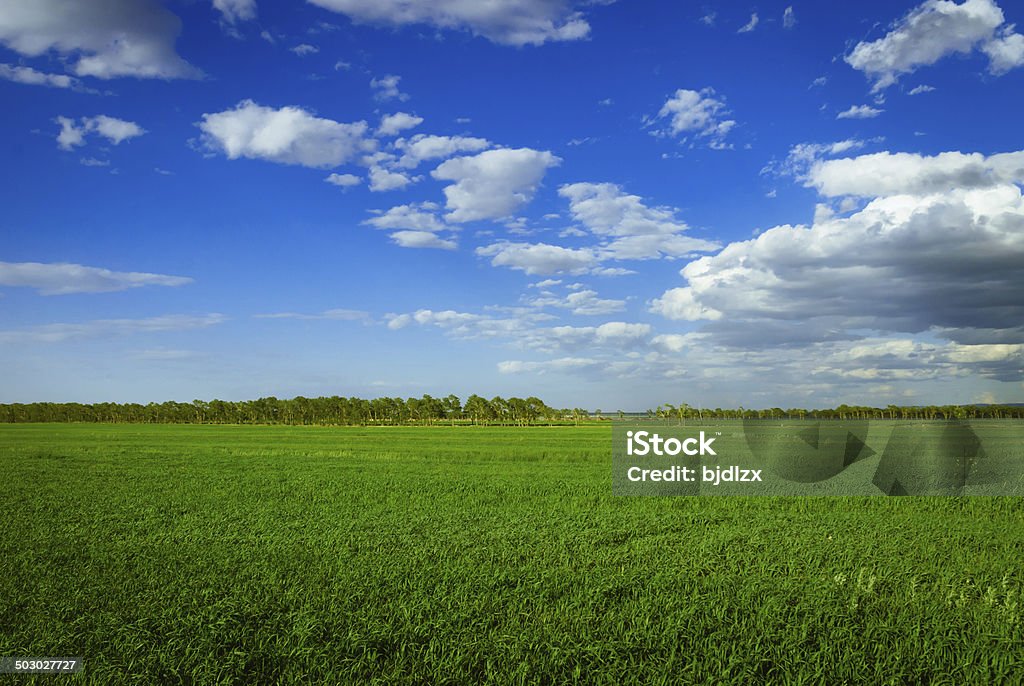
225, 554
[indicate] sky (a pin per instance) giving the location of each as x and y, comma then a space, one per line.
604, 204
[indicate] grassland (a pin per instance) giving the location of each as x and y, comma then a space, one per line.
225, 554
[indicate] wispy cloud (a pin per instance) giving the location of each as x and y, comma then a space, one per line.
107, 328
62, 278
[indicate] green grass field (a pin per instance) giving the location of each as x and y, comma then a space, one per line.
226, 554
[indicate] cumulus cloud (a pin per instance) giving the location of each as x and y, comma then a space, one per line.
539, 258
413, 226
416, 217
674, 342
386, 88
788, 18
626, 229
393, 124
923, 88
582, 302
234, 11
422, 239
494, 183
524, 329
105, 328
304, 49
696, 112
289, 135
859, 112
933, 30
680, 303
343, 180
507, 22
887, 173
635, 230
937, 251
115, 130
102, 38
382, 179
614, 334
30, 76
422, 147
1005, 52
62, 278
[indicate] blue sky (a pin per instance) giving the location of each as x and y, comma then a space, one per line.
605, 204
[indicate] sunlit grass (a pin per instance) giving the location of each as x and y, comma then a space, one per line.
457, 555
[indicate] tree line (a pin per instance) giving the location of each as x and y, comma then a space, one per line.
428, 410
684, 411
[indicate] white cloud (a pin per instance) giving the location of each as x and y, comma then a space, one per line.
614, 333
236, 10
62, 278
507, 22
289, 135
103, 38
400, 321
114, 130
933, 30
818, 82
337, 314
561, 364
709, 18
1005, 52
539, 258
422, 147
788, 18
802, 157
386, 88
636, 230
582, 302
673, 342
917, 90
699, 113
70, 134
304, 49
103, 328
750, 25
924, 257
422, 239
627, 229
494, 183
887, 173
607, 211
393, 124
343, 180
28, 75
382, 179
859, 112
93, 162
679, 303
416, 217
